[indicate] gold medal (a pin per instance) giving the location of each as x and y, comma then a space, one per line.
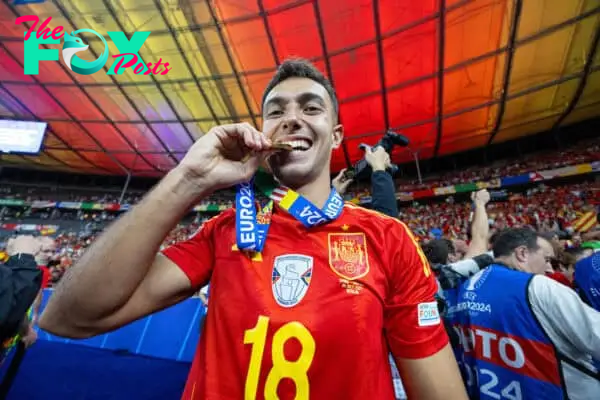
277, 146
282, 146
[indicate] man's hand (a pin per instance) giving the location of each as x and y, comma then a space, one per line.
225, 156
379, 160
23, 244
481, 197
480, 225
30, 337
341, 183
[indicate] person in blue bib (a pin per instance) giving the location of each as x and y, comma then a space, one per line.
587, 280
521, 334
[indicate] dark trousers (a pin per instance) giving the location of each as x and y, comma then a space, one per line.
12, 370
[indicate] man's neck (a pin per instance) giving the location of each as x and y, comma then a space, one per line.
317, 191
509, 263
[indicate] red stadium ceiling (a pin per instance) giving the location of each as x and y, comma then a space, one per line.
450, 74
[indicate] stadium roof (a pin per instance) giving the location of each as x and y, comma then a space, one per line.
452, 75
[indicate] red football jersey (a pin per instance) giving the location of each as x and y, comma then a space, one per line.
316, 315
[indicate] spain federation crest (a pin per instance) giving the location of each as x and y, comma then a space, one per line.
348, 255
291, 278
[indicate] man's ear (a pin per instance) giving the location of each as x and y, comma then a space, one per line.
521, 253
337, 136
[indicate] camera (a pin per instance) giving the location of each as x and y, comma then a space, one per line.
362, 170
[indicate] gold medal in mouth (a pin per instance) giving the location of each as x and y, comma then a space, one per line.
277, 146
274, 147
279, 131
282, 146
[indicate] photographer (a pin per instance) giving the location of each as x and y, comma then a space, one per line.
513, 304
383, 196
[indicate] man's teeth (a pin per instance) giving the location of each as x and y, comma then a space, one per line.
298, 144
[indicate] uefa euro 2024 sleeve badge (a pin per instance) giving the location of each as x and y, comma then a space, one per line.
348, 255
291, 278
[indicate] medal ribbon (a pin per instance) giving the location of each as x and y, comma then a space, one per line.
251, 227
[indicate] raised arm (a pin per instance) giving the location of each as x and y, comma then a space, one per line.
120, 278
479, 227
383, 190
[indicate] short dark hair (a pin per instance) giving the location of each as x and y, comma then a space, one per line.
578, 251
450, 244
436, 251
548, 235
509, 239
301, 68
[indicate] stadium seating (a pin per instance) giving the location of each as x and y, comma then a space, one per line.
544, 206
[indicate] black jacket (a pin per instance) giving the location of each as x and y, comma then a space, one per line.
20, 282
383, 194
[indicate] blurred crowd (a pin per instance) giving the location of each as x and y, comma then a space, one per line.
554, 210
70, 246
581, 152
544, 208
548, 208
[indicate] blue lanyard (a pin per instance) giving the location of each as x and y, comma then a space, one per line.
251, 228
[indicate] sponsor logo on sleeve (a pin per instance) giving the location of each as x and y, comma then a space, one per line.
428, 314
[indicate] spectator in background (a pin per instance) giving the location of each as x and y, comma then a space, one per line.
563, 264
480, 227
20, 281
580, 252
47, 251
439, 251
18, 248
42, 258
443, 255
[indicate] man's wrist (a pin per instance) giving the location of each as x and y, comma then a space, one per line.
178, 188
378, 168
